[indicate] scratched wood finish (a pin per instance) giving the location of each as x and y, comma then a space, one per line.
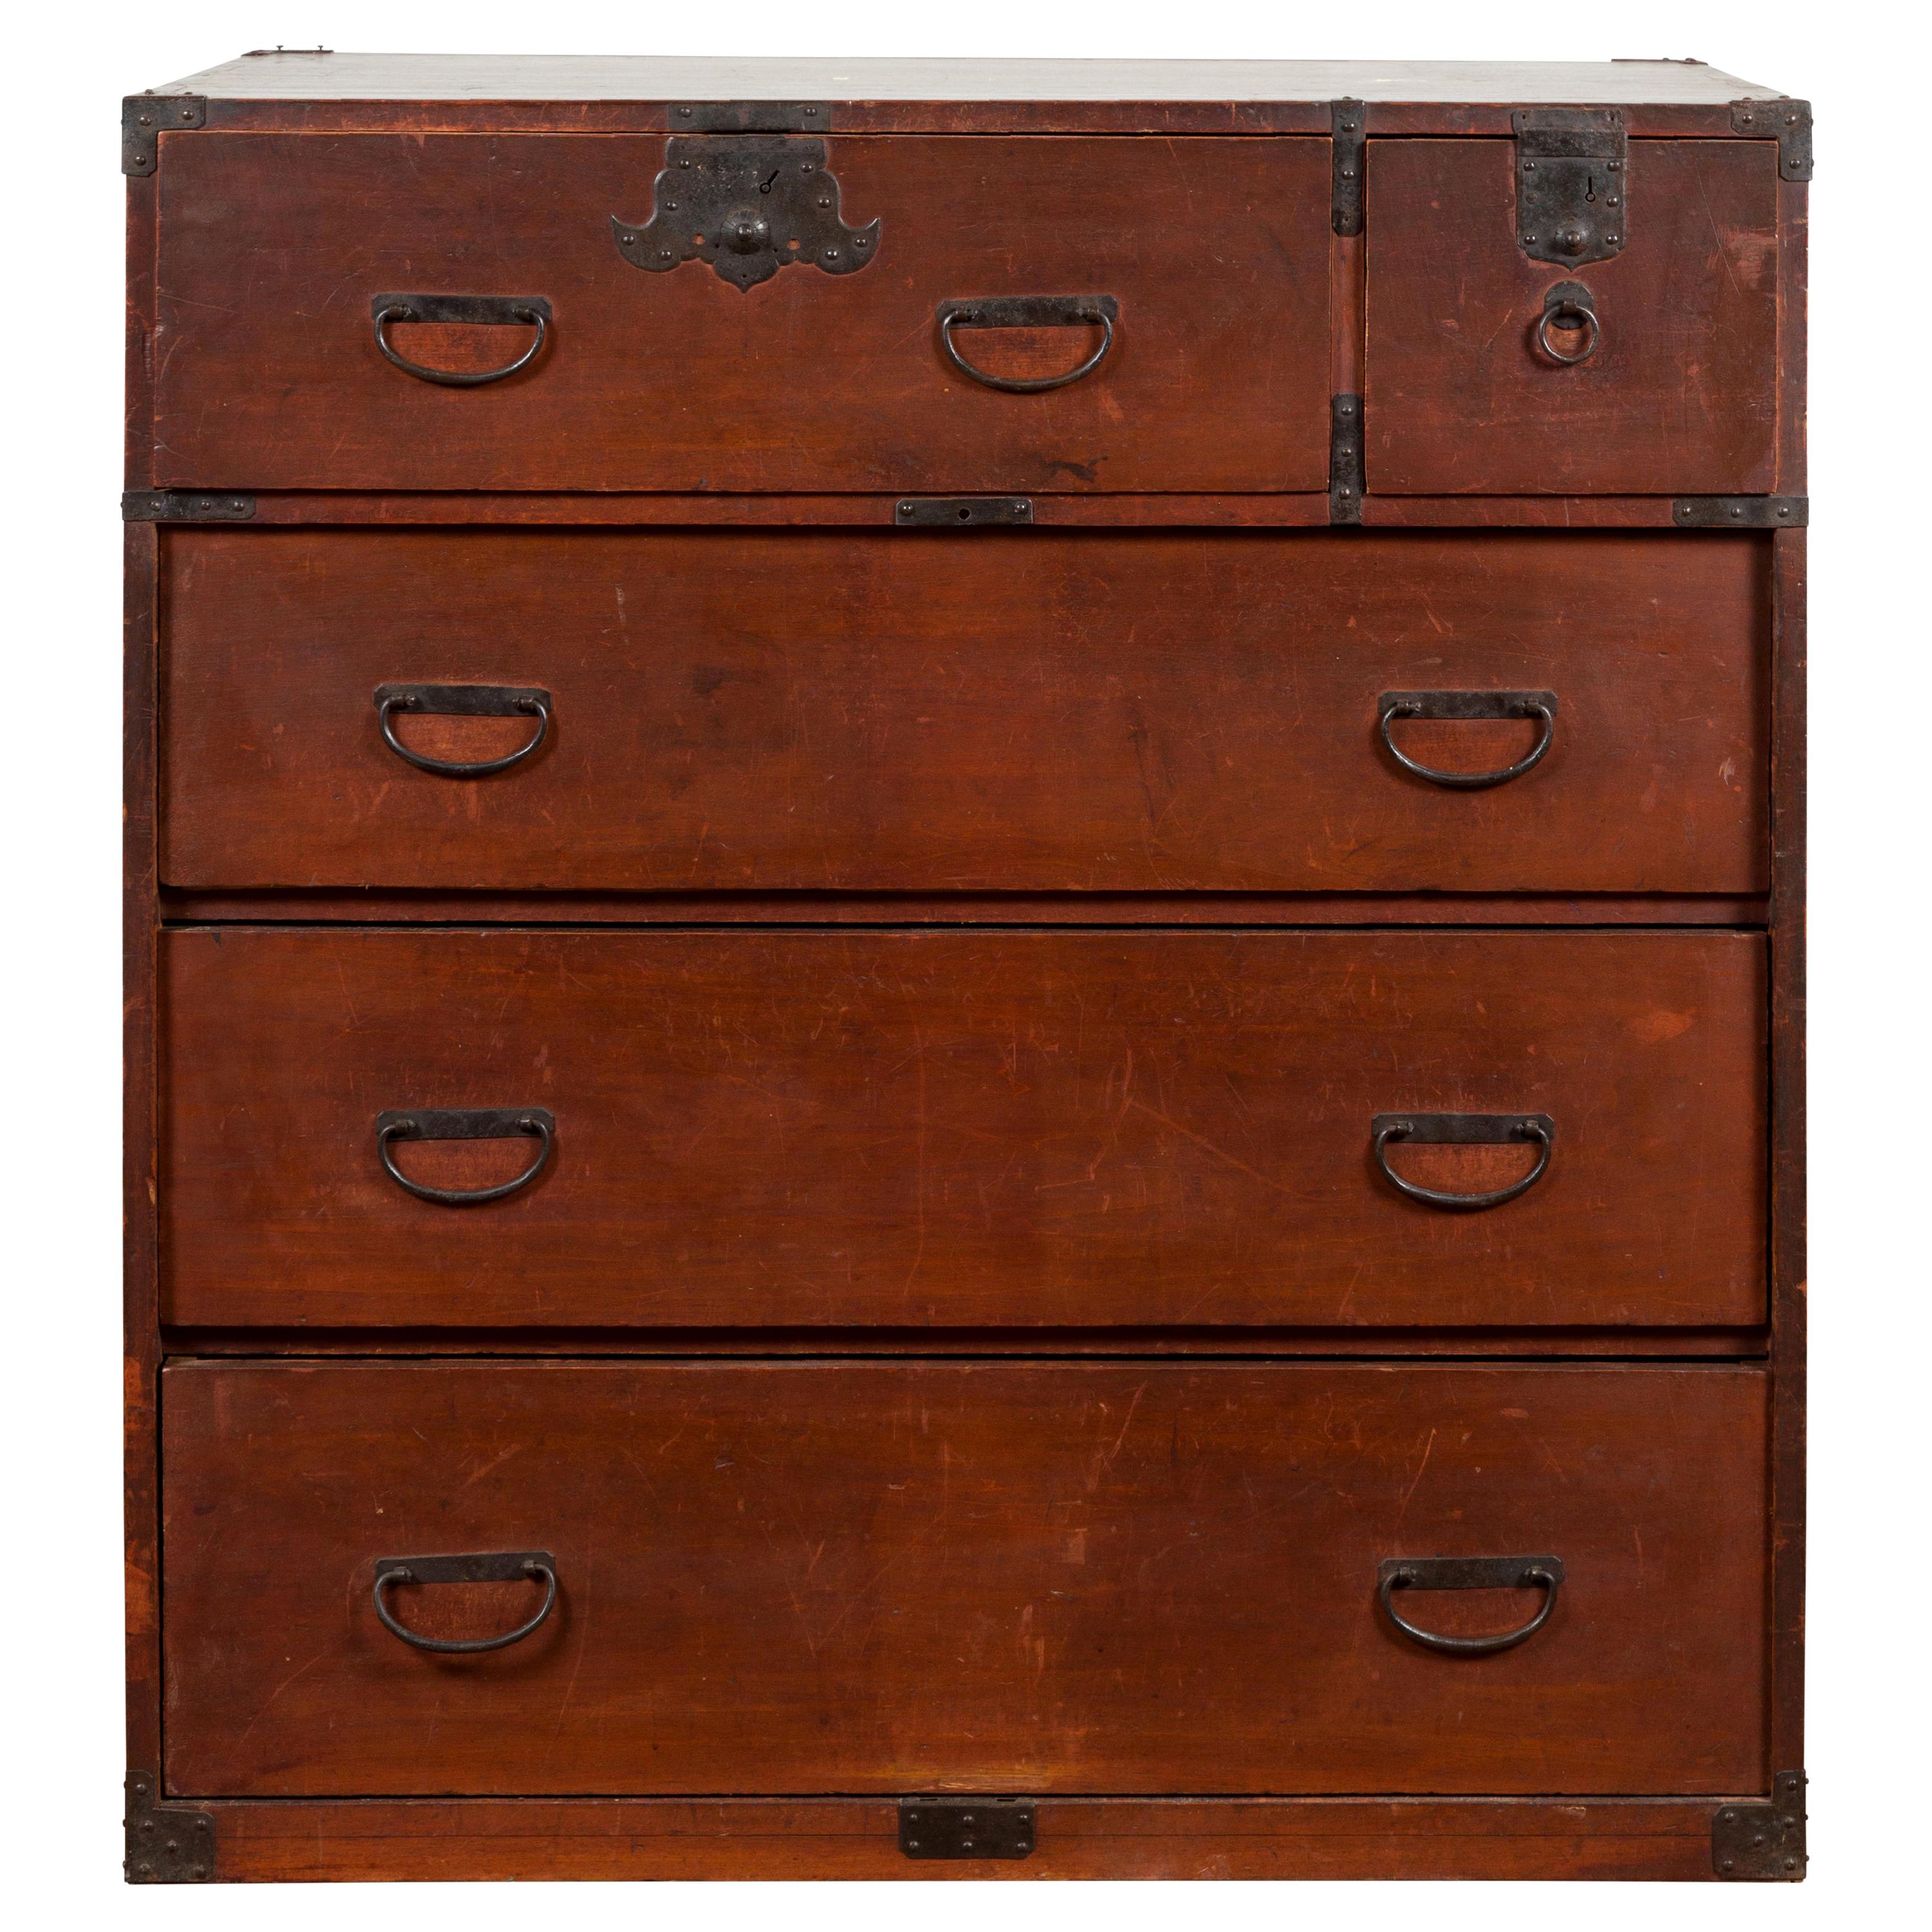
272, 246
892, 711
1681, 395
509, 1839
1027, 1577
958, 1128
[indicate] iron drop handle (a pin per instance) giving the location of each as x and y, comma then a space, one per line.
1571, 307
1469, 1573
508, 1567
462, 700
464, 1124
1029, 312
1469, 704
473, 311
1463, 1130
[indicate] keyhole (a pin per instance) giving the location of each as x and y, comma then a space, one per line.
1589, 187
765, 186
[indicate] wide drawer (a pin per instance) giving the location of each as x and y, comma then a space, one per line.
996, 1576
889, 711
966, 1129
276, 254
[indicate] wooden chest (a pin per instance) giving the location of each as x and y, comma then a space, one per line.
965, 976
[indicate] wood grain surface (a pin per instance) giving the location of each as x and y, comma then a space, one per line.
1029, 1577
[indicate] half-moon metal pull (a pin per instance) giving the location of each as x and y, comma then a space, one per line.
473, 311
1460, 704
1029, 312
506, 1567
1571, 307
464, 1124
1463, 1130
462, 700
1469, 1573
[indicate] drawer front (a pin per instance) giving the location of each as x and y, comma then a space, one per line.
1042, 711
274, 250
1010, 1128
1026, 1577
1679, 394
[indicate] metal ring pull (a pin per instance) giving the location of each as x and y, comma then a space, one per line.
1469, 704
464, 1124
1463, 1130
1029, 312
462, 700
508, 1567
1571, 307
1469, 1573
473, 311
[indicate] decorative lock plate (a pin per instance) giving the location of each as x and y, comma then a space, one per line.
1572, 183
749, 204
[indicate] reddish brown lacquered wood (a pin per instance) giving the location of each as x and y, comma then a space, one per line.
1019, 1128
1038, 710
1043, 1577
1680, 397
272, 247
858, 1838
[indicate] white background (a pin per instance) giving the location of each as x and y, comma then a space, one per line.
1871, 711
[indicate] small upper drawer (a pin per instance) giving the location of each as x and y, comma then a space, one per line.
1191, 274
893, 711
1656, 371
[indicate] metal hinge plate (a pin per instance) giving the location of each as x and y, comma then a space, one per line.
186, 506
145, 117
960, 513
1790, 120
1348, 473
966, 1828
1346, 146
1762, 1841
166, 1844
1741, 513
1572, 169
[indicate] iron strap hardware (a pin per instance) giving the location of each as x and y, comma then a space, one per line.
469, 311
1469, 1573
1790, 121
1101, 312
1347, 470
509, 1566
749, 117
462, 700
1463, 1130
1741, 513
1348, 147
1572, 183
960, 513
464, 1123
1759, 1841
166, 1844
145, 117
966, 1827
186, 506
1469, 704
749, 203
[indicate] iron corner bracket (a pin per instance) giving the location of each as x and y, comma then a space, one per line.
1741, 513
1347, 467
145, 117
186, 506
167, 1844
1762, 1841
966, 1827
1789, 121
1346, 145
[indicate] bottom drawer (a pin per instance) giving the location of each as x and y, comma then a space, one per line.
888, 1576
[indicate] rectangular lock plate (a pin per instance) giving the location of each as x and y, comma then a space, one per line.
961, 513
966, 1828
1572, 183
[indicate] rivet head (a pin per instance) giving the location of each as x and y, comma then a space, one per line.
1730, 1864
1727, 1815
147, 120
